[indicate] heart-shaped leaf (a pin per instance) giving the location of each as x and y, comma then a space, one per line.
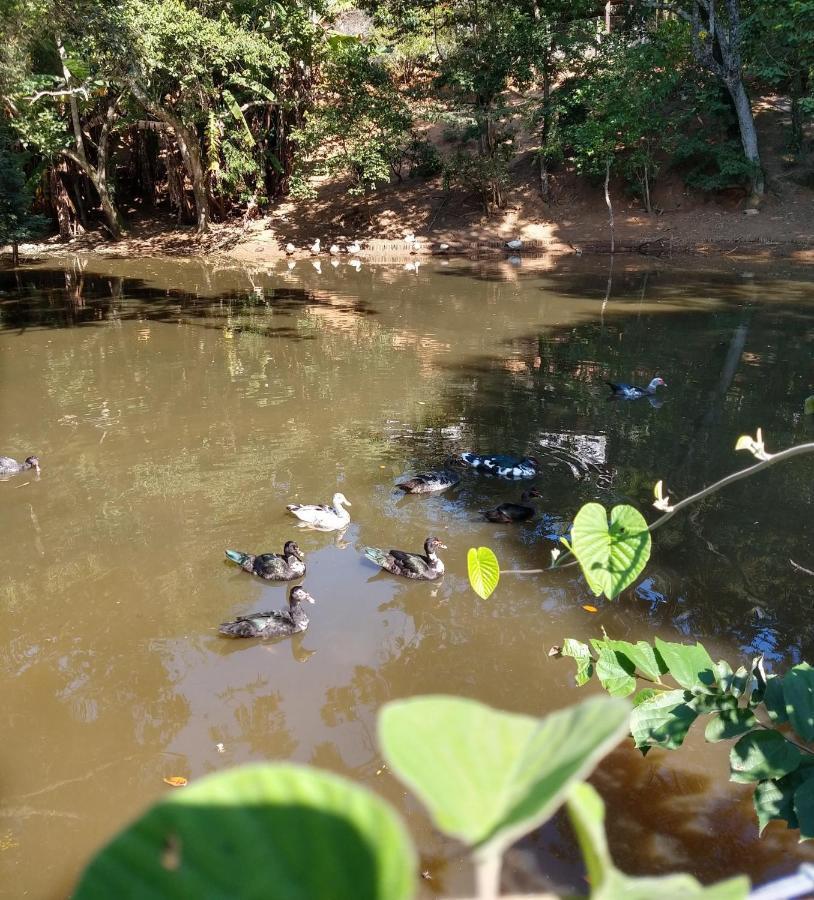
611, 556
489, 777
484, 571
261, 832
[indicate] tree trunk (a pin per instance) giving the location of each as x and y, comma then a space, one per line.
190, 148
98, 175
746, 124
610, 206
796, 92
15, 254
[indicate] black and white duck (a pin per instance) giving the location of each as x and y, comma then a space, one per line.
503, 465
9, 466
632, 392
285, 566
513, 512
410, 565
430, 482
273, 624
324, 517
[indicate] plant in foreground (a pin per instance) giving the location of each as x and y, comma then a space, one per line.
771, 716
293, 832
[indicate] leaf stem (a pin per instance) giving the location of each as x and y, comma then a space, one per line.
487, 875
716, 486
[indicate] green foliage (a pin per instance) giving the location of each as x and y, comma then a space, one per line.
361, 126
483, 570
808, 406
611, 555
745, 705
16, 220
285, 831
489, 777
587, 813
260, 831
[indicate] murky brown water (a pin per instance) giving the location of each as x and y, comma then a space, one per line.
178, 406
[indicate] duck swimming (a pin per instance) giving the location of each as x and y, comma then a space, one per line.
632, 392
513, 512
273, 624
410, 565
329, 518
429, 482
9, 466
502, 464
272, 566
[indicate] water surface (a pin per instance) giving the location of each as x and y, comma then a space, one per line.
178, 405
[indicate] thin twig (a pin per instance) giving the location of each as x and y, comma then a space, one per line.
800, 568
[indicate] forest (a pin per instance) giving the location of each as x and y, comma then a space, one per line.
199, 112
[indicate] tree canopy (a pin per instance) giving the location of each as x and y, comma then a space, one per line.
209, 109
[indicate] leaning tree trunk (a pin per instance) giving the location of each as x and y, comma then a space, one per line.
746, 124
97, 174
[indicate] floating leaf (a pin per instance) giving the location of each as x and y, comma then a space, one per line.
588, 608
808, 406
484, 571
176, 781
611, 556
489, 777
760, 755
240, 833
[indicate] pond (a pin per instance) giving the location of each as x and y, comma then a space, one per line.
177, 406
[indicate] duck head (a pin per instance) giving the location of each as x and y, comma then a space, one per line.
533, 460
32, 463
341, 499
299, 595
528, 495
291, 549
432, 544
655, 383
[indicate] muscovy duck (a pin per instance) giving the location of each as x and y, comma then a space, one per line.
9, 466
502, 464
277, 623
285, 566
329, 518
429, 482
632, 392
410, 565
513, 512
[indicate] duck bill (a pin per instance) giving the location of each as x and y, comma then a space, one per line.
309, 598
442, 546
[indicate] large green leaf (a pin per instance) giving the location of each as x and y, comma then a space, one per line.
689, 664
804, 809
664, 720
260, 831
484, 571
615, 674
774, 700
729, 723
774, 799
587, 813
762, 754
581, 655
642, 656
798, 689
808, 406
489, 777
237, 114
611, 556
